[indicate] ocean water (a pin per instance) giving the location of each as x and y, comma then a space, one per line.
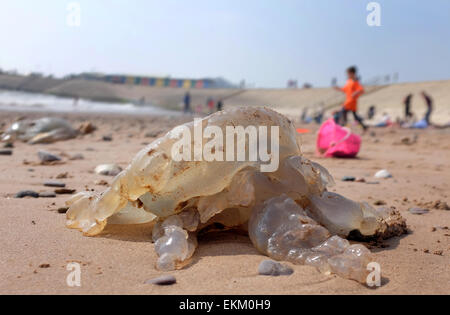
35, 102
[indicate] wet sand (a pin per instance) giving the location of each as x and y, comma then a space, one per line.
122, 258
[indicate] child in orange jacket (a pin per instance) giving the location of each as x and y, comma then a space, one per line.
352, 90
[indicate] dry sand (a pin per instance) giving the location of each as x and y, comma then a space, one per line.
122, 258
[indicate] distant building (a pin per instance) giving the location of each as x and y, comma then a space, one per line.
156, 81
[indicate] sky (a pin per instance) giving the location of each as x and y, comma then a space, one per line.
264, 42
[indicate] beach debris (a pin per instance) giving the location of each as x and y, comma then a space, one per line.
162, 280
65, 191
43, 130
418, 211
47, 157
77, 156
379, 203
26, 193
54, 184
273, 268
348, 179
6, 152
383, 174
47, 194
107, 138
108, 169
86, 128
62, 175
289, 212
101, 182
62, 209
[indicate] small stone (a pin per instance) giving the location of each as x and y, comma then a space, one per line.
107, 138
6, 152
26, 193
379, 203
54, 184
418, 211
163, 280
44, 266
87, 128
62, 191
62, 209
77, 156
8, 145
360, 180
45, 156
62, 175
383, 174
108, 169
348, 179
101, 182
47, 194
273, 268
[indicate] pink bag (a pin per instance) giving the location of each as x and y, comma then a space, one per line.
336, 141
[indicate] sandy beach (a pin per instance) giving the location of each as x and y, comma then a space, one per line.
36, 245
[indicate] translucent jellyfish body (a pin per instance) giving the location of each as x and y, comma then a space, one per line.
293, 216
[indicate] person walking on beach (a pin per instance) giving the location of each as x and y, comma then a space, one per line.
187, 103
407, 103
352, 90
429, 102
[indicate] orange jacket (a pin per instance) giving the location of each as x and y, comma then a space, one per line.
349, 89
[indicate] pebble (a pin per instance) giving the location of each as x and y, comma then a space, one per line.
45, 156
107, 138
77, 156
6, 152
8, 145
47, 194
108, 169
348, 179
418, 211
54, 184
62, 209
383, 174
163, 280
26, 193
62, 191
379, 203
273, 268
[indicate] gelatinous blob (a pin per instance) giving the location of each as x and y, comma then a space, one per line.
289, 212
43, 130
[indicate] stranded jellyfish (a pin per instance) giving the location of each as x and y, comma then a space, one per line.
188, 180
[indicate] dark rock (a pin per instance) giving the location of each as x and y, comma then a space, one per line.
8, 145
62, 209
107, 138
45, 156
163, 280
26, 193
62, 191
6, 152
348, 179
54, 184
47, 194
273, 268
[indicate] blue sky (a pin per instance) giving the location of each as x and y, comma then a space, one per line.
265, 42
